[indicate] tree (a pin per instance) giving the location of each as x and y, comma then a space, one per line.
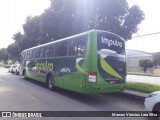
68, 17
145, 63
156, 59
14, 50
3, 54
73, 17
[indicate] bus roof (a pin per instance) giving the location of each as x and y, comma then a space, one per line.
71, 37
59, 40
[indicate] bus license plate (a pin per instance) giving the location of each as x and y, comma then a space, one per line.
112, 82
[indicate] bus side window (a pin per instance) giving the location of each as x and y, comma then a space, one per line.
30, 54
25, 54
57, 49
42, 52
52, 50
47, 51
72, 47
33, 54
64, 48
81, 46
77, 46
37, 52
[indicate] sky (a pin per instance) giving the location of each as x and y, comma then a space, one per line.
151, 24
14, 12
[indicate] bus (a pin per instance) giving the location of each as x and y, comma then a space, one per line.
91, 62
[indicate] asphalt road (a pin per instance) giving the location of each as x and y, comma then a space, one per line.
143, 79
17, 94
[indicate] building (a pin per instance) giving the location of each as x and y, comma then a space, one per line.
133, 58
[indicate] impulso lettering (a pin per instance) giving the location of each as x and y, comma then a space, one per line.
46, 66
111, 42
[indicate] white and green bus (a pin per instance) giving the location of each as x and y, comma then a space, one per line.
90, 62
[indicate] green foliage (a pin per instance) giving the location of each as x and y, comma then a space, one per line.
156, 59
144, 87
3, 54
68, 17
14, 50
145, 63
81, 15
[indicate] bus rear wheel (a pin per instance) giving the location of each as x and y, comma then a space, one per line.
50, 82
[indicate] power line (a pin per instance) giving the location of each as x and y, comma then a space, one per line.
146, 35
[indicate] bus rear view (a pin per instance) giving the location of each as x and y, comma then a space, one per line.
110, 71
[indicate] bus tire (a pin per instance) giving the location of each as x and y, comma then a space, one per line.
50, 82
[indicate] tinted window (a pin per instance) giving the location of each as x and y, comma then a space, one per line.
77, 45
37, 53
22, 55
64, 48
72, 47
47, 51
57, 51
27, 54
61, 48
33, 53
52, 50
30, 54
41, 52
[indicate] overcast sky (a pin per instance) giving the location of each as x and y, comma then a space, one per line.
14, 12
13, 15
151, 24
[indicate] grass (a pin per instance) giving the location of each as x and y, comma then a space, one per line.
144, 74
143, 87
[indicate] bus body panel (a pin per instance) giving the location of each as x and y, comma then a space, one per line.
63, 70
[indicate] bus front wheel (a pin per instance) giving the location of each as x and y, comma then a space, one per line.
50, 82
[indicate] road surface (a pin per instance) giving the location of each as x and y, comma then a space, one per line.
17, 94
